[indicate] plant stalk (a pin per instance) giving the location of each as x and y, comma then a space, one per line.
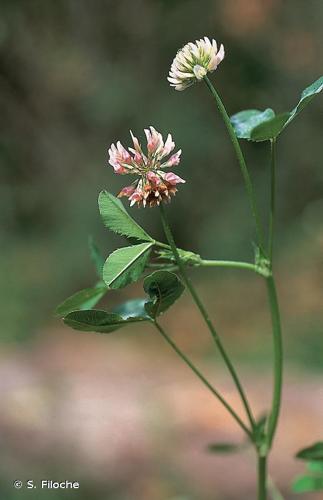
205, 316
241, 160
229, 263
262, 477
272, 197
203, 379
278, 360
274, 309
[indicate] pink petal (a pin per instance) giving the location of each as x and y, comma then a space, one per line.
174, 159
119, 169
154, 140
168, 147
135, 197
135, 142
173, 179
127, 191
152, 177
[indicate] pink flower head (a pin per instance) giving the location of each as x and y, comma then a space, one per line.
154, 185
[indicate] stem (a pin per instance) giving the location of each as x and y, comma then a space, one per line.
278, 360
161, 245
274, 310
202, 378
262, 477
241, 160
205, 315
228, 263
272, 196
215, 263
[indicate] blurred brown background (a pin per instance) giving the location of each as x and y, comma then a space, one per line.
121, 414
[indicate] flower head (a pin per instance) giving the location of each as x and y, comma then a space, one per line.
153, 185
193, 62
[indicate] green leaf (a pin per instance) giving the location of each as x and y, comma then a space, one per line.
256, 125
315, 466
224, 448
84, 299
314, 452
96, 257
94, 320
306, 97
126, 265
270, 128
116, 218
245, 121
303, 484
163, 288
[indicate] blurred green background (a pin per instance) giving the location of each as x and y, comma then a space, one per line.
119, 414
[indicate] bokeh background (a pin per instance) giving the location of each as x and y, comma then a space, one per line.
121, 414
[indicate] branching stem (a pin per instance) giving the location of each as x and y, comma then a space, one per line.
204, 314
189, 363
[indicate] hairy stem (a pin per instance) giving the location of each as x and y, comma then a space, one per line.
241, 160
204, 314
203, 379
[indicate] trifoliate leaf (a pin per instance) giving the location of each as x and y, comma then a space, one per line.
256, 125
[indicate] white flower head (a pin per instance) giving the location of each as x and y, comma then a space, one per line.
193, 62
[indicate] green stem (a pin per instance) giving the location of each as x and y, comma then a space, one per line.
278, 360
262, 477
274, 309
162, 245
272, 196
233, 264
241, 160
199, 304
202, 378
229, 263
